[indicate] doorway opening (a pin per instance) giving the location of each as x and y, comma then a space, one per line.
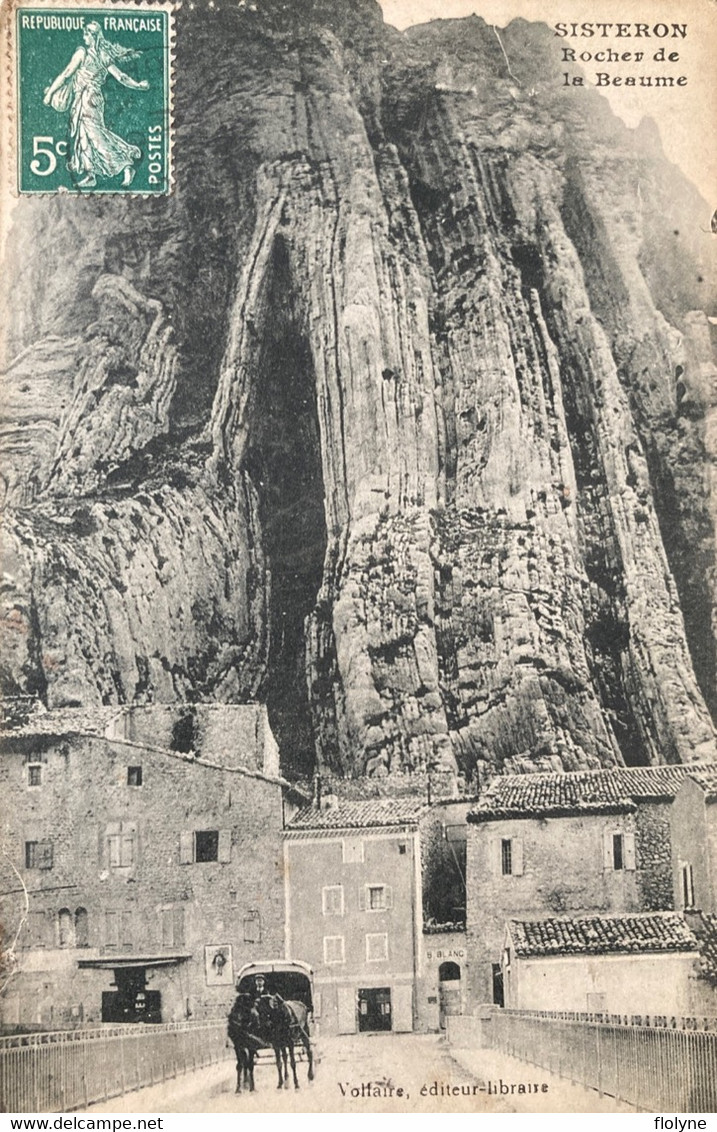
131, 1002
449, 991
374, 1009
498, 988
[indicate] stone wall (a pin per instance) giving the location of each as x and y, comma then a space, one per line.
154, 903
653, 838
563, 873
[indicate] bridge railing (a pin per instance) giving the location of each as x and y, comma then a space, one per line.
66, 1070
653, 1067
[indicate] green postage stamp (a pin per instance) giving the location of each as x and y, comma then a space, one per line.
93, 98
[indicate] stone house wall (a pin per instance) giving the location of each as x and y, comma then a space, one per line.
124, 854
351, 860
653, 834
562, 872
691, 846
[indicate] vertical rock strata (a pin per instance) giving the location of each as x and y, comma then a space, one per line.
392, 415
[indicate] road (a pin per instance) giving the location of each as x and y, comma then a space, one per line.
364, 1073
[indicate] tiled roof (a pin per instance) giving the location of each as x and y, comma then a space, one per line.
598, 935
583, 791
360, 815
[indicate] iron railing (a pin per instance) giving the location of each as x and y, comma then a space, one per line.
71, 1069
653, 1067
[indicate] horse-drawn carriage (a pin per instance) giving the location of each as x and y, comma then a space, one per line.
273, 1010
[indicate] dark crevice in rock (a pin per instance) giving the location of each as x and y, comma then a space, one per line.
284, 462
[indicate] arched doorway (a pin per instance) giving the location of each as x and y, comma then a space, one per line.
449, 991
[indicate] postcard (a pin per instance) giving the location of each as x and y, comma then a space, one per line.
357, 467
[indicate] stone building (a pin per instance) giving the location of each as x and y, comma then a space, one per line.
376, 905
353, 909
643, 963
576, 844
141, 860
694, 841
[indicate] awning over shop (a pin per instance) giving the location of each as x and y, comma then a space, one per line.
113, 962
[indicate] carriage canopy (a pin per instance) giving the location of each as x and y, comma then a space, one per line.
290, 978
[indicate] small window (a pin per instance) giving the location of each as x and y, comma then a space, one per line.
688, 887
377, 898
402, 848
376, 901
206, 845
134, 775
34, 774
332, 900
334, 949
506, 857
353, 851
376, 947
618, 851
38, 854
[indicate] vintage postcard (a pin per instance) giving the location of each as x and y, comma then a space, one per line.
357, 475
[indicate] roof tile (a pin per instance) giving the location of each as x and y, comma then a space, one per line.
598, 935
360, 815
588, 791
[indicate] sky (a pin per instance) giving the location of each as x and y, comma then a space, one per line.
686, 117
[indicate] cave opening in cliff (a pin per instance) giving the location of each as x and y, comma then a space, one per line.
284, 461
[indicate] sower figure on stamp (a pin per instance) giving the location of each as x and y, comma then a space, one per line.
94, 150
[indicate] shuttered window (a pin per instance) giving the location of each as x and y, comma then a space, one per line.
121, 841
618, 851
111, 929
172, 926
38, 854
332, 900
375, 898
333, 949
376, 947
205, 845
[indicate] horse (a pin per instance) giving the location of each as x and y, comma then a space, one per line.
280, 1022
242, 1029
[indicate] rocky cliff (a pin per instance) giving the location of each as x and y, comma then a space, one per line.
399, 413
